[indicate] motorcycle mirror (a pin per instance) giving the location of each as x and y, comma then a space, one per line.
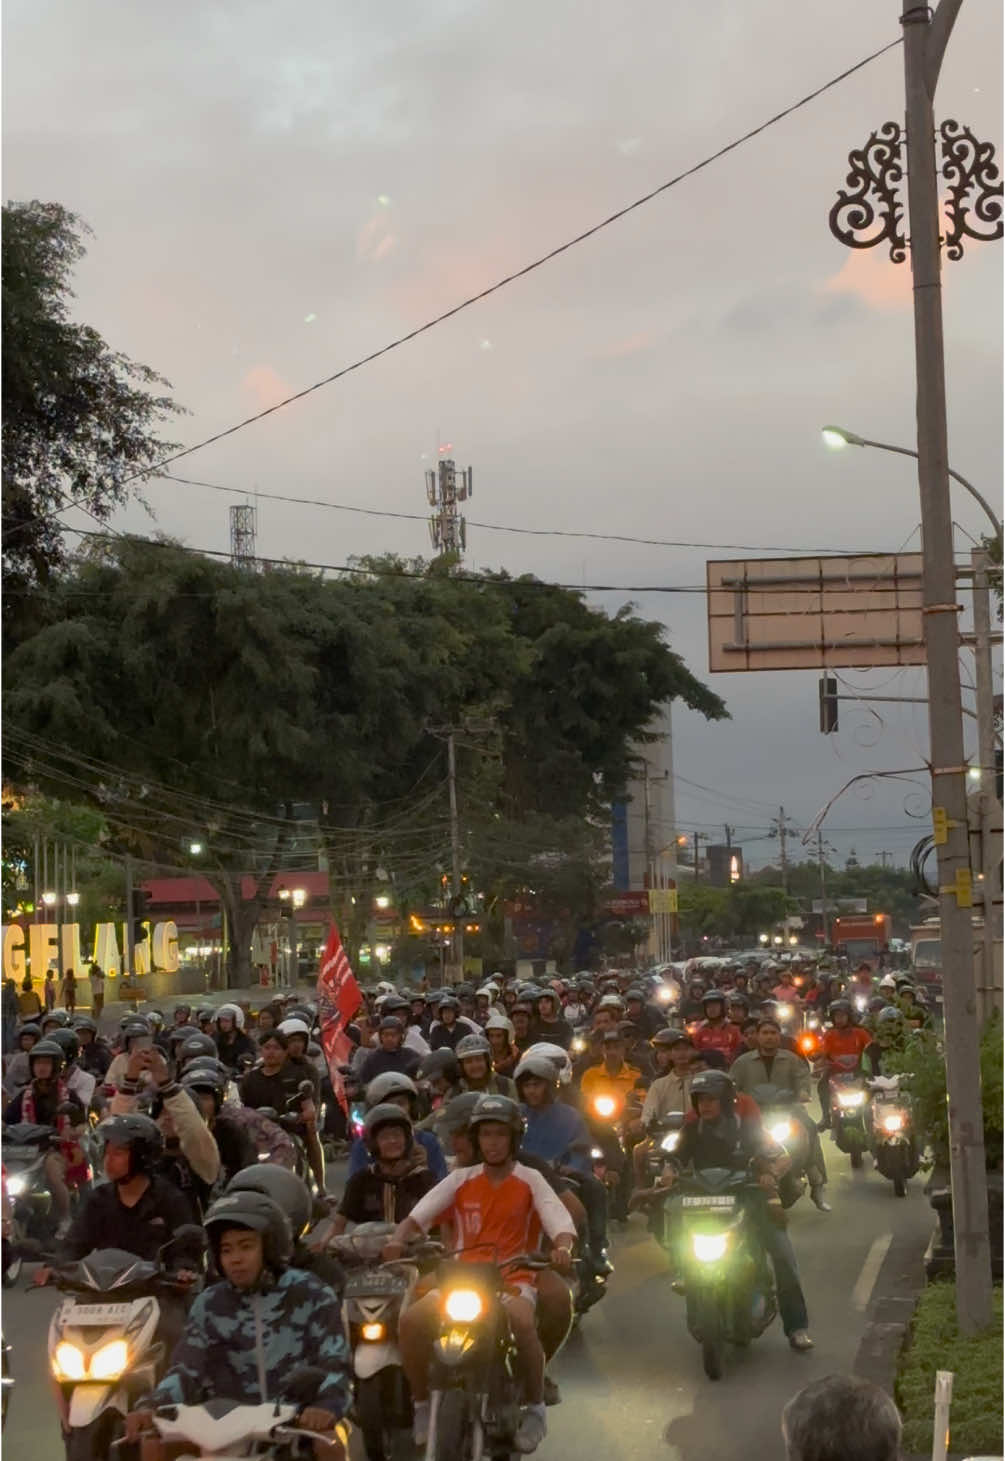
268, 1111
303, 1384
305, 1088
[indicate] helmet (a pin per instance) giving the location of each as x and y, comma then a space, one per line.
295, 1027
738, 998
135, 1026
889, 1016
59, 1016
52, 1050
711, 995
178, 1034
156, 1019
559, 1058
289, 1192
635, 993
208, 1063
920, 994
611, 1002
386, 987
887, 983
666, 1037
487, 991
182, 1009
391, 1022
440, 1063
876, 1004
500, 1022
84, 1022
68, 1042
386, 1114
395, 1002
30, 1029
447, 1001
537, 1066
714, 1083
203, 1079
473, 1045
456, 1114
205, 1012
391, 1083
498, 1108
197, 1044
235, 1012
839, 1004
256, 1211
140, 1134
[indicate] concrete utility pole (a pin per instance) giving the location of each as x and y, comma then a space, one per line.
455, 850
925, 38
989, 984
822, 868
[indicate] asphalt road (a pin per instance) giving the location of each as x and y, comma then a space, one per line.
631, 1376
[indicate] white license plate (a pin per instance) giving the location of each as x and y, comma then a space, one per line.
709, 1201
19, 1153
98, 1313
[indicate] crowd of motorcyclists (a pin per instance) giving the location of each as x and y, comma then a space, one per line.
504, 1120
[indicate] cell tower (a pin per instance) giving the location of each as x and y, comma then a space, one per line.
445, 489
242, 536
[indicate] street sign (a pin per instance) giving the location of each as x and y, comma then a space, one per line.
815, 613
629, 905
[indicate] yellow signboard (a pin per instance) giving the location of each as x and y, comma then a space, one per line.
46, 941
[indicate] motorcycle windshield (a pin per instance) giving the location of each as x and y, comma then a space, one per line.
105, 1269
26, 1133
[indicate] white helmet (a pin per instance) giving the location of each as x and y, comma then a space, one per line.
235, 1012
500, 1022
385, 987
294, 1027
558, 1057
488, 991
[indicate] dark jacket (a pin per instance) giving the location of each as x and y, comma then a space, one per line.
232, 1047
371, 1197
380, 1062
258, 1089
45, 1107
102, 1221
554, 1032
233, 1337
732, 1143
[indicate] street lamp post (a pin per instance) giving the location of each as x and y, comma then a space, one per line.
837, 438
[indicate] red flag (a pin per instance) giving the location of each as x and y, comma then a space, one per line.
339, 997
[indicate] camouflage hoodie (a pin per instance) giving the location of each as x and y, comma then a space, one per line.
244, 1345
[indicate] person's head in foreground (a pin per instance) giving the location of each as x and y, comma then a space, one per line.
841, 1418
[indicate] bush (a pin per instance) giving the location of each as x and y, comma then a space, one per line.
923, 1058
975, 1419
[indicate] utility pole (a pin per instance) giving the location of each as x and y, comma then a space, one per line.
697, 854
925, 37
455, 849
729, 835
989, 991
127, 942
781, 831
822, 868
883, 857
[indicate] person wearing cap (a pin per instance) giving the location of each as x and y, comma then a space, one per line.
390, 1054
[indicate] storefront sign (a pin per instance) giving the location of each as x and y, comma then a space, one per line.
38, 946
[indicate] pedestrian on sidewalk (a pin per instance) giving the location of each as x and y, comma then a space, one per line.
49, 990
97, 977
29, 1006
68, 992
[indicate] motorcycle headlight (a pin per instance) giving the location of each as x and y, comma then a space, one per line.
372, 1333
596, 1154
708, 1247
578, 1045
860, 1002
782, 1130
68, 1361
849, 1099
110, 1360
670, 1141
784, 1011
16, 1184
605, 1106
894, 1122
664, 994
463, 1305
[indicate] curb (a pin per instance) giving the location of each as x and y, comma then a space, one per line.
900, 1281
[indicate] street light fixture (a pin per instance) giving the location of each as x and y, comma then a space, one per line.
195, 848
836, 438
50, 899
299, 897
73, 899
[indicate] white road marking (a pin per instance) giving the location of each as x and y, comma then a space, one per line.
862, 1292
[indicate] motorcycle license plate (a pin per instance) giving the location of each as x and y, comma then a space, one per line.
19, 1153
98, 1313
709, 1201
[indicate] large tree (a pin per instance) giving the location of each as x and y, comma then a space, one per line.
78, 417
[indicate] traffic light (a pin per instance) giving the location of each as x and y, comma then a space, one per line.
828, 705
139, 913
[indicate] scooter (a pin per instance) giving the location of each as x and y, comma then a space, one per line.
474, 1408
848, 1102
375, 1296
605, 1118
892, 1141
226, 1429
727, 1279
777, 1106
103, 1347
25, 1147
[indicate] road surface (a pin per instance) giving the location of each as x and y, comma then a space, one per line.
631, 1377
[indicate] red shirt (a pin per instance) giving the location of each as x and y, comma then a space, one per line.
843, 1048
494, 1221
724, 1037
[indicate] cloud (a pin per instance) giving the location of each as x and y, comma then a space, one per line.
266, 386
871, 276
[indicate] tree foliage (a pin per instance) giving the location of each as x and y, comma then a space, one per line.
78, 416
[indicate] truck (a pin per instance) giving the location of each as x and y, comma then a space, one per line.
861, 938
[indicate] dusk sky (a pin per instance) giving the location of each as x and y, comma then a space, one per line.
275, 191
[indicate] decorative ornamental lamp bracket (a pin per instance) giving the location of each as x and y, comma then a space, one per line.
974, 203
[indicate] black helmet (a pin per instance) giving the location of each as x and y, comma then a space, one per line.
447, 1001
840, 1004
391, 1022
178, 1034
440, 1063
258, 1212
738, 997
30, 1029
288, 1191
877, 1003
60, 1017
386, 1114
84, 1022
203, 1079
135, 1026
68, 1042
197, 1044
666, 1037
714, 1083
211, 1064
711, 995
456, 1114
498, 1108
140, 1134
48, 1047
182, 1009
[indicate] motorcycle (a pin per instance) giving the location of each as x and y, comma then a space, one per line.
727, 1279
606, 1119
291, 1120
777, 1107
103, 1347
892, 1141
848, 1097
32, 1215
227, 1429
374, 1299
474, 1391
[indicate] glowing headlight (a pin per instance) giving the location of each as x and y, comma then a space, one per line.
596, 1154
850, 1098
785, 1011
782, 1130
664, 994
16, 1184
860, 1001
709, 1246
894, 1122
605, 1105
463, 1305
372, 1332
110, 1360
670, 1141
68, 1362
578, 1045
813, 1022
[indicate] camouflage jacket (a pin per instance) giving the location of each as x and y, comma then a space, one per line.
244, 1346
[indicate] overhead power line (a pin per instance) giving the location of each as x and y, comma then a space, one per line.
537, 263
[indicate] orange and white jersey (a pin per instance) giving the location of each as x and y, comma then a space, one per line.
494, 1221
